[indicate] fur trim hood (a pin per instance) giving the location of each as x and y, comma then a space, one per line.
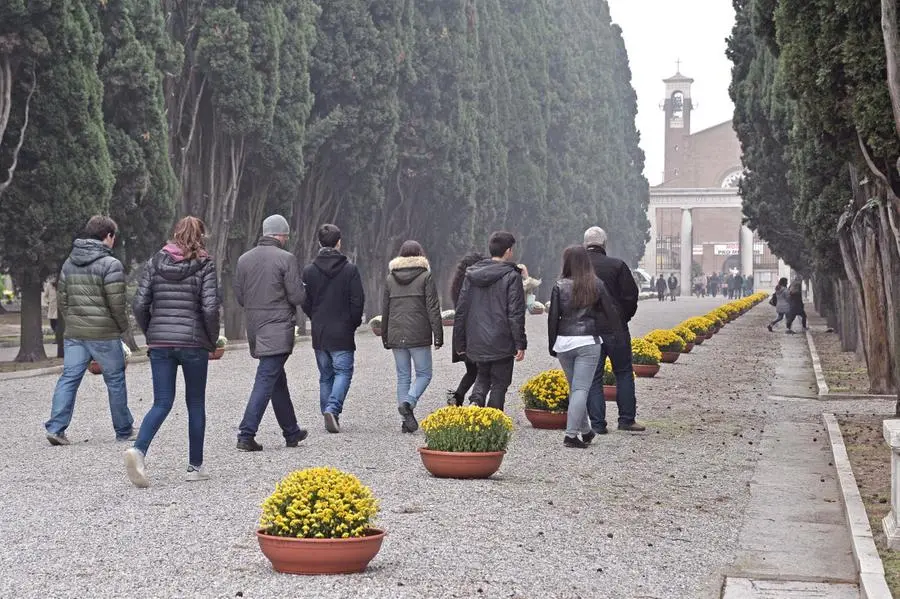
409, 262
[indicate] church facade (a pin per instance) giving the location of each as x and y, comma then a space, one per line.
695, 214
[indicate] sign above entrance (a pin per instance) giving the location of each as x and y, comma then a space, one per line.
727, 249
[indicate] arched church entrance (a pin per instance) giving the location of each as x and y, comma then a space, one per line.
731, 263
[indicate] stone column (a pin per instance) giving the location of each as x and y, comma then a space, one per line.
687, 250
746, 251
891, 526
650, 251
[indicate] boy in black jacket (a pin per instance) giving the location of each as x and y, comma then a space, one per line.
334, 302
490, 321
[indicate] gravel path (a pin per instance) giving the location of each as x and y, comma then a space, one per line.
649, 515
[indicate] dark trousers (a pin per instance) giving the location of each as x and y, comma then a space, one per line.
467, 381
270, 383
619, 353
494, 378
794, 313
781, 316
164, 362
661, 295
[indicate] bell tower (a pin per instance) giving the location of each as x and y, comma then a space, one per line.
677, 107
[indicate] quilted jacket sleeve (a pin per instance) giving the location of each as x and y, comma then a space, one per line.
143, 298
114, 291
209, 301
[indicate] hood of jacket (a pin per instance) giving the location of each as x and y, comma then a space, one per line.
330, 261
85, 251
406, 270
172, 266
487, 272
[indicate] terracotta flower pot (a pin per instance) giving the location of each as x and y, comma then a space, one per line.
320, 556
701, 337
544, 419
217, 354
376, 331
609, 392
687, 348
458, 464
670, 357
646, 370
447, 322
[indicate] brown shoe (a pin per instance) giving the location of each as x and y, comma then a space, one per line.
634, 427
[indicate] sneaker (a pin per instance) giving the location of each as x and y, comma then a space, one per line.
249, 445
196, 473
410, 424
134, 468
603, 430
331, 422
60, 439
295, 440
633, 427
769, 327
588, 437
574, 443
129, 437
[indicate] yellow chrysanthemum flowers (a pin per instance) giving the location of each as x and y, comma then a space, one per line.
319, 503
548, 390
665, 340
644, 352
467, 429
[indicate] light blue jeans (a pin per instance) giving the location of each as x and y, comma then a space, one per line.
78, 354
407, 359
335, 374
579, 364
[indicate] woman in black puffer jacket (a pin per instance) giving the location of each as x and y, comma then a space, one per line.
177, 307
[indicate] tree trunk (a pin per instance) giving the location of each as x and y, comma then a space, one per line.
31, 344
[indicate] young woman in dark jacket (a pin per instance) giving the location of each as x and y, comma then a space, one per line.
457, 397
177, 307
581, 312
410, 321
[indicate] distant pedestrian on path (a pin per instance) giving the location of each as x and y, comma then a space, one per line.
737, 287
91, 294
410, 323
616, 276
782, 302
177, 308
49, 301
458, 396
490, 321
334, 302
582, 313
661, 289
795, 301
673, 286
267, 285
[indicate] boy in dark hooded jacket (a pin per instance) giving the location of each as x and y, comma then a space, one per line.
490, 321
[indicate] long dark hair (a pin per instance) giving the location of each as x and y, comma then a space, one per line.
577, 266
460, 274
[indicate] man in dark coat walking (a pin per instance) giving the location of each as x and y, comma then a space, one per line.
490, 321
661, 289
267, 285
334, 303
619, 281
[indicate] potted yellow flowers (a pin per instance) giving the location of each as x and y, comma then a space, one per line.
319, 521
546, 398
700, 326
465, 442
645, 357
687, 335
609, 381
669, 344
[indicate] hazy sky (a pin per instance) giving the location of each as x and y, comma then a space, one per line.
659, 32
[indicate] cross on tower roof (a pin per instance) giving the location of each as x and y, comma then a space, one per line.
678, 65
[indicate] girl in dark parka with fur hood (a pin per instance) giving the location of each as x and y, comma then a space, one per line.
410, 321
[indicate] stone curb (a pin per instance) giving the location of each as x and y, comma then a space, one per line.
817, 366
27, 374
872, 584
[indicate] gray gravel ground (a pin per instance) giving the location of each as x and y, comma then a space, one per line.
636, 515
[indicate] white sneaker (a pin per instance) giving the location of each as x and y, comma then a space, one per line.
196, 474
134, 467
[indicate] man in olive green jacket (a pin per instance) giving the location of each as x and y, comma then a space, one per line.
91, 296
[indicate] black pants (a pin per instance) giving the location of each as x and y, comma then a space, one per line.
781, 316
801, 312
494, 378
467, 381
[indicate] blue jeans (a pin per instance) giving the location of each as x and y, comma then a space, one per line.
579, 364
78, 354
164, 362
270, 383
407, 359
335, 374
619, 353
